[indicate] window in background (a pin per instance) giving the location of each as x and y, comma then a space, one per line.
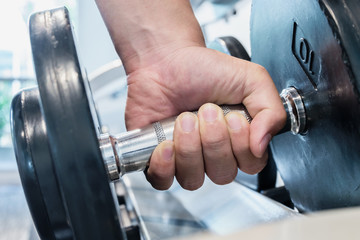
16, 67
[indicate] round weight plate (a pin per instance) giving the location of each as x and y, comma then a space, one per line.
302, 44
235, 48
35, 167
72, 126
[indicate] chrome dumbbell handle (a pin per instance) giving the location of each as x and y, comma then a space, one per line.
131, 151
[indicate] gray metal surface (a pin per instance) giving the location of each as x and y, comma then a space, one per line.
15, 219
324, 225
218, 210
160, 215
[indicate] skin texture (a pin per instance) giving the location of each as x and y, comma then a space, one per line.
170, 71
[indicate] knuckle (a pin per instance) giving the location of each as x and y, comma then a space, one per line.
261, 70
241, 149
215, 143
261, 73
187, 151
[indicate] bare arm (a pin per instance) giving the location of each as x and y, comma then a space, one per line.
140, 27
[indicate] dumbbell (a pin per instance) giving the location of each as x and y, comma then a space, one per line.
65, 162
312, 47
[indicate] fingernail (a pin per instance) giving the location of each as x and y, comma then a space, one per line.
187, 122
233, 121
209, 113
263, 144
168, 152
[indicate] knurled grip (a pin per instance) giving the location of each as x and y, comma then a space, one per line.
161, 136
133, 149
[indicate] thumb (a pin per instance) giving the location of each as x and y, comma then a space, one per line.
263, 102
237, 81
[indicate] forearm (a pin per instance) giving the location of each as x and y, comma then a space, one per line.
143, 30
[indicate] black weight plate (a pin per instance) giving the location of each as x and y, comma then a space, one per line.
35, 167
344, 18
71, 124
235, 48
300, 45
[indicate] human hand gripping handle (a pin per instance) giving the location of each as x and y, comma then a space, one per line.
132, 150
209, 142
171, 71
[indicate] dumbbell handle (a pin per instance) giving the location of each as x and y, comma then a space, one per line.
131, 151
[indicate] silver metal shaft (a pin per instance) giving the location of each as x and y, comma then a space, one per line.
131, 151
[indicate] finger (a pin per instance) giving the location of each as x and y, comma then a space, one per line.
239, 130
189, 161
250, 84
264, 105
220, 163
161, 170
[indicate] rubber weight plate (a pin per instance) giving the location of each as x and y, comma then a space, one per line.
314, 46
36, 168
72, 129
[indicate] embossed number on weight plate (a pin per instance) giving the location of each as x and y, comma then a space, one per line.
305, 55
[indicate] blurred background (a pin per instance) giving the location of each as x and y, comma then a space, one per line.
217, 18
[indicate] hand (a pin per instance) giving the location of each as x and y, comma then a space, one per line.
210, 143
171, 71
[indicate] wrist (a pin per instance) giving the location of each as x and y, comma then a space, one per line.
149, 30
